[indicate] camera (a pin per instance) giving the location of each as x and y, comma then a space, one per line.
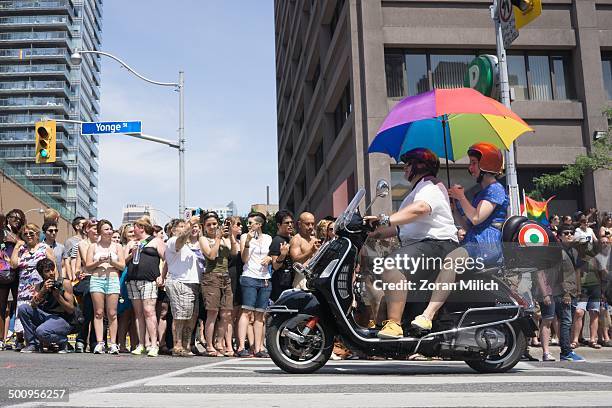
58, 285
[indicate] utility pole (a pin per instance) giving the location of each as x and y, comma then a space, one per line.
504, 88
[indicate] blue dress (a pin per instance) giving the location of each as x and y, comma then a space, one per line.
484, 240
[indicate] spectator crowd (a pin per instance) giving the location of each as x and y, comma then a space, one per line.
202, 285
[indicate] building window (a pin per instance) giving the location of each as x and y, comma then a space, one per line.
315, 76
540, 88
447, 71
417, 73
533, 75
394, 69
606, 67
319, 158
343, 109
517, 76
335, 17
301, 187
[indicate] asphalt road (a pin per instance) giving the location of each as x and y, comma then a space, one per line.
127, 381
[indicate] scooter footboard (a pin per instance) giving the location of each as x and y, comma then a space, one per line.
296, 301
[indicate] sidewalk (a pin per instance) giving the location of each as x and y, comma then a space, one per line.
589, 354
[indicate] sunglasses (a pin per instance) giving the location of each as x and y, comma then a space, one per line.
14, 217
287, 222
52, 231
29, 234
253, 222
566, 233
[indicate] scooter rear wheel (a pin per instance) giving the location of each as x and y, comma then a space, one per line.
516, 344
289, 353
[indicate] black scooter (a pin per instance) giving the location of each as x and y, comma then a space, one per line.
488, 332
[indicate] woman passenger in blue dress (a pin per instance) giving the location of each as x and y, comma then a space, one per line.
484, 216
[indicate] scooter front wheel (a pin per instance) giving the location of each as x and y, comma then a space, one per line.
298, 344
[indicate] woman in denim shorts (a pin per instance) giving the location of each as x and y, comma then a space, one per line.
105, 260
255, 283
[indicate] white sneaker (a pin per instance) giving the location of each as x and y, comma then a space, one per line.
153, 351
113, 349
100, 348
139, 350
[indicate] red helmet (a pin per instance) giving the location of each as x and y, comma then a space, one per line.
424, 159
490, 158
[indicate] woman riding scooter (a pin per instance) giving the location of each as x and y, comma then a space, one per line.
425, 227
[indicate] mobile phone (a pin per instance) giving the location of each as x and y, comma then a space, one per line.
227, 222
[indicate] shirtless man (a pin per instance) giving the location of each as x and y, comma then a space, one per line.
303, 246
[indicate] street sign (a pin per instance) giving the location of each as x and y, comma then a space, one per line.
102, 128
483, 75
507, 21
524, 17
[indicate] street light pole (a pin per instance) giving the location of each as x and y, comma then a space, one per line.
76, 59
181, 148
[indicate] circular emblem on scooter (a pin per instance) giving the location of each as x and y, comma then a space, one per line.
533, 235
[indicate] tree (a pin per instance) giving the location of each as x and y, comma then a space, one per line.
600, 157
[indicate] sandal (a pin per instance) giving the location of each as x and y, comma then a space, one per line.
607, 343
574, 345
594, 345
211, 353
228, 353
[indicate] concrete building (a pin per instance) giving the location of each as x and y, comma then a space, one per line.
132, 212
343, 64
265, 208
229, 210
37, 80
19, 193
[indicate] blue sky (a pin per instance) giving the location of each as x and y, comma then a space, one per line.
226, 49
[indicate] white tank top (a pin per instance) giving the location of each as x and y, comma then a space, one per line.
258, 250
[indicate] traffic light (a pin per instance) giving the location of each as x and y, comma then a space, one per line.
523, 5
45, 141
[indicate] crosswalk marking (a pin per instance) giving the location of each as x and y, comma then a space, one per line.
371, 380
341, 400
200, 385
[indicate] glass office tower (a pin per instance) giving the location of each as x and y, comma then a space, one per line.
37, 80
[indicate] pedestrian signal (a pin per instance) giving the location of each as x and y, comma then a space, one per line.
45, 141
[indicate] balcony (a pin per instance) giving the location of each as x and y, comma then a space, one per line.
62, 37
47, 87
37, 21
26, 137
54, 191
46, 173
37, 54
37, 103
24, 119
35, 70
38, 6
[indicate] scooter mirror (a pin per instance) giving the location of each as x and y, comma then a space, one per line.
382, 188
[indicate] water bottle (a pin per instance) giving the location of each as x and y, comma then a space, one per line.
136, 258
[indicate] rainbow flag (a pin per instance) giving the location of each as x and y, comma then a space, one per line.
537, 210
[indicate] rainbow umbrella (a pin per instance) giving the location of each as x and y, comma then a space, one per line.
447, 121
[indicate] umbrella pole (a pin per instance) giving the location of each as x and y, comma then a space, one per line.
446, 152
